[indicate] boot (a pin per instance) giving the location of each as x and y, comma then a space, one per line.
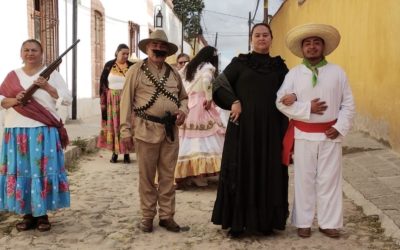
114, 158
127, 158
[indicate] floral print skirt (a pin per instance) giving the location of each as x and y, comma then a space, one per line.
109, 134
32, 172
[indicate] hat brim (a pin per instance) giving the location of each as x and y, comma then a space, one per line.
328, 33
172, 48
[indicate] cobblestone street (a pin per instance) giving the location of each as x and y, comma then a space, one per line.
104, 214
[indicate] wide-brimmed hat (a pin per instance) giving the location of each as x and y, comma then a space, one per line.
328, 33
158, 35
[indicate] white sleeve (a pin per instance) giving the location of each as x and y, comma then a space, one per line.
347, 108
298, 110
1, 99
207, 76
64, 95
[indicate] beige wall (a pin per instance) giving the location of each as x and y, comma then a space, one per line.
368, 52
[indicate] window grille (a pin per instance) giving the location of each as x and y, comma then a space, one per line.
46, 27
134, 32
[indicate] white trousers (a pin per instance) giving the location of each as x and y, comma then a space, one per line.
317, 183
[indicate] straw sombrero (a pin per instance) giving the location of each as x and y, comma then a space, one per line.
295, 37
158, 35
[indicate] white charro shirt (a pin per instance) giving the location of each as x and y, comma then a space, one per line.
13, 119
332, 87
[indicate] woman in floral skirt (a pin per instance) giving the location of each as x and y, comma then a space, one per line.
111, 83
32, 172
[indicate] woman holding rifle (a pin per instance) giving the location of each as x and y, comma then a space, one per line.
32, 172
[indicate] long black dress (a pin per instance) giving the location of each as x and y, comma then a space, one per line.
253, 186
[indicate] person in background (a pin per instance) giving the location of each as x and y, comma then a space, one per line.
317, 97
181, 60
154, 91
253, 184
112, 81
201, 137
32, 171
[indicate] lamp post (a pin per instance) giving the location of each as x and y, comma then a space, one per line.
158, 18
183, 20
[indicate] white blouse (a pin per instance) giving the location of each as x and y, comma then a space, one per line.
116, 81
201, 81
13, 119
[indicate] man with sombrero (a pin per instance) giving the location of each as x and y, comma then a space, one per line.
154, 92
317, 98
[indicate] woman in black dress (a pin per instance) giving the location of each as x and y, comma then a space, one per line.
253, 185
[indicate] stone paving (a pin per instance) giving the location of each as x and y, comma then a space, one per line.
105, 212
372, 180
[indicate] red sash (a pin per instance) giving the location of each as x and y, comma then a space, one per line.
34, 110
288, 140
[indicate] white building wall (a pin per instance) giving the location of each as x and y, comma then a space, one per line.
83, 47
13, 34
116, 23
173, 27
13, 30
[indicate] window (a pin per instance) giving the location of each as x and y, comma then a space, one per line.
45, 15
134, 31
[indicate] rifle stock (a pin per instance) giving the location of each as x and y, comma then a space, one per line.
46, 74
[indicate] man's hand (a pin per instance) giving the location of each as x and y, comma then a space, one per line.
332, 133
128, 143
318, 107
288, 99
180, 117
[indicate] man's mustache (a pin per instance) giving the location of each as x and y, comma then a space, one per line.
160, 53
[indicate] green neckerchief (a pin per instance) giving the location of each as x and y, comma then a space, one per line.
314, 69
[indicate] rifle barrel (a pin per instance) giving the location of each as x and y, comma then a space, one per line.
46, 73
69, 48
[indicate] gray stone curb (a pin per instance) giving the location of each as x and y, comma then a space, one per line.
72, 153
391, 229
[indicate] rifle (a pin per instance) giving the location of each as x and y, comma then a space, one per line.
46, 74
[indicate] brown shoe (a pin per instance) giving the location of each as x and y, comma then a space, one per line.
333, 233
304, 232
146, 225
170, 225
28, 222
43, 223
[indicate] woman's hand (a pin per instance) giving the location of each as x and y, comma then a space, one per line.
207, 104
19, 96
44, 84
180, 117
13, 101
41, 82
236, 109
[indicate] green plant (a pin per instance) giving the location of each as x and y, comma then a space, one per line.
189, 12
80, 143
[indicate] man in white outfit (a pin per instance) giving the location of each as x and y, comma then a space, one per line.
317, 98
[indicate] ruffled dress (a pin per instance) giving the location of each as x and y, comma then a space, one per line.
201, 137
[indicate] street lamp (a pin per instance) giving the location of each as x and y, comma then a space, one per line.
158, 19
